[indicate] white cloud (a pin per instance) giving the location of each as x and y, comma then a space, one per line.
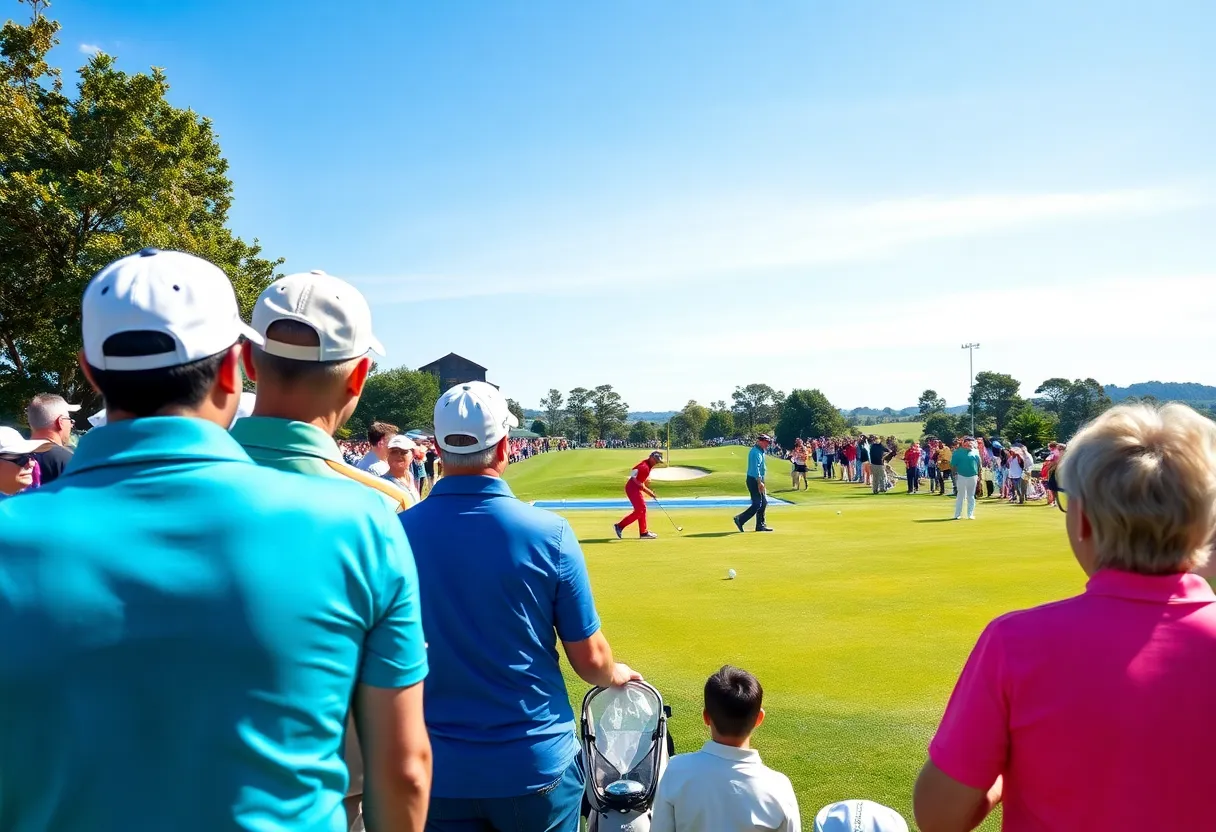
89, 48
735, 235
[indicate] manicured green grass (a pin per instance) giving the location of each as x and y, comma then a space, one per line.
856, 623
903, 431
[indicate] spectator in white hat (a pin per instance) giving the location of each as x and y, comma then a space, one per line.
507, 582
310, 371
50, 419
182, 651
400, 463
859, 816
17, 461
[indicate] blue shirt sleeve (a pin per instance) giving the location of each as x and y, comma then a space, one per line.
575, 617
394, 654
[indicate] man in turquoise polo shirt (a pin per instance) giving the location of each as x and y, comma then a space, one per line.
756, 469
182, 652
965, 461
509, 583
310, 370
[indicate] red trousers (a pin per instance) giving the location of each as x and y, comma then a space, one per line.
634, 493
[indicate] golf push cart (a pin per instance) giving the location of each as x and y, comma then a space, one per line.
626, 747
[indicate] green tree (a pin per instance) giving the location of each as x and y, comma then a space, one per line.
719, 425
88, 177
552, 405
578, 410
995, 395
808, 413
641, 433
1032, 425
516, 411
540, 427
697, 416
942, 425
930, 402
610, 411
400, 396
1074, 403
681, 431
754, 404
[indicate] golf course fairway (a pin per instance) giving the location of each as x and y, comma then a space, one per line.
856, 614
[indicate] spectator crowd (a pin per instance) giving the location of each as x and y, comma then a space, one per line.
216, 623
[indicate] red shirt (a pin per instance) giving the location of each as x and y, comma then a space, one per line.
912, 456
643, 469
1100, 711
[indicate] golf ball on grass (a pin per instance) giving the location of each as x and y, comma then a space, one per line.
730, 574
838, 512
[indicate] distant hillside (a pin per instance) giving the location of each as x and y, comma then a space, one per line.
1166, 391
661, 417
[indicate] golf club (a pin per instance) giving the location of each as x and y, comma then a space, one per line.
668, 516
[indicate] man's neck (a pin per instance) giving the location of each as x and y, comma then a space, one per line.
742, 743
47, 435
326, 420
472, 472
206, 414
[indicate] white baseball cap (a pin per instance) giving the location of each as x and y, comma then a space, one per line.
98, 419
170, 292
12, 442
335, 309
402, 442
859, 816
477, 410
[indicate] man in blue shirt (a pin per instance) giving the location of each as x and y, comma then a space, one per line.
181, 653
755, 485
512, 583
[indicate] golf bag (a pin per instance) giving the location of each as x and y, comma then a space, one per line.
626, 747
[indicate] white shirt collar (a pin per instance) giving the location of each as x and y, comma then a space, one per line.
729, 752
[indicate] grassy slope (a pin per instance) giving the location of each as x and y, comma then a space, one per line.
857, 624
903, 431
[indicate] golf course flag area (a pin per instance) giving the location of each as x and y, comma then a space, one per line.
856, 614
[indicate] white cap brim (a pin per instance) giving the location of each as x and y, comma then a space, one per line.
250, 334
373, 344
26, 446
72, 408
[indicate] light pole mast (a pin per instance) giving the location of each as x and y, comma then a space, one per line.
971, 348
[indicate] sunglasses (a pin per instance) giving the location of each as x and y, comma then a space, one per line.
1053, 485
20, 460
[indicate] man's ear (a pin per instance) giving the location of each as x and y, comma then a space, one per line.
87, 370
251, 372
504, 448
229, 377
358, 377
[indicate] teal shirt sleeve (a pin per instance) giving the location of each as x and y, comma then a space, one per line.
394, 654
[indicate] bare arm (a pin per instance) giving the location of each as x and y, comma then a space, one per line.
396, 758
592, 660
942, 804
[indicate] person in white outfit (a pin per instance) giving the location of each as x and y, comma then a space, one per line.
724, 787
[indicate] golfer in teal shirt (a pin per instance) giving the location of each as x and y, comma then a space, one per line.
756, 470
965, 460
184, 630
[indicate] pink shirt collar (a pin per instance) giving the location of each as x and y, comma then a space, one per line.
1178, 588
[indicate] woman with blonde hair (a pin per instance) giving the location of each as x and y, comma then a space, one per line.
1099, 712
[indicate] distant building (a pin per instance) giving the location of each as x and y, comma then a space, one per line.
454, 369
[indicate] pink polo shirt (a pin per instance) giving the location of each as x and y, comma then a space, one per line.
1100, 711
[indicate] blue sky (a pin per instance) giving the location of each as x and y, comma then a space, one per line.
679, 197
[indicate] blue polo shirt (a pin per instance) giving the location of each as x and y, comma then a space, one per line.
182, 633
756, 462
509, 581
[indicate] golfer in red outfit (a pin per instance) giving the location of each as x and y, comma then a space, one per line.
635, 487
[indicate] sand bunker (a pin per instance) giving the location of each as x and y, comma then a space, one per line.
677, 473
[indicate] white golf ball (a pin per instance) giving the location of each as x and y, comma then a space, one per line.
730, 573
838, 512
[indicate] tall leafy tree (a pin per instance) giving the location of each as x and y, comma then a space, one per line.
681, 431
930, 402
554, 415
610, 411
1032, 425
808, 413
539, 427
755, 404
1074, 403
641, 433
697, 416
88, 176
995, 395
400, 396
579, 412
516, 411
720, 424
943, 426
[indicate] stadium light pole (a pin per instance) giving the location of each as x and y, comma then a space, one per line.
971, 348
